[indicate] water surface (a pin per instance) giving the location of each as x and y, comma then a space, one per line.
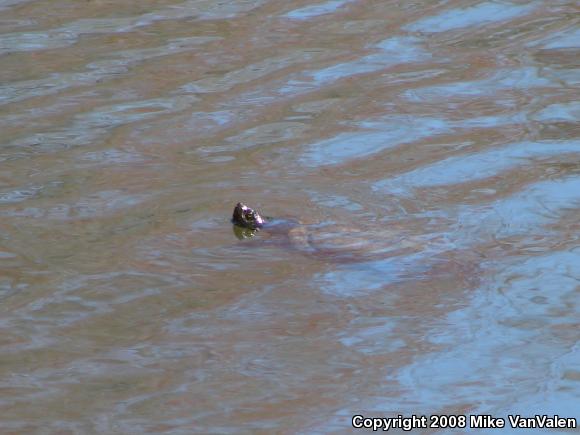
441, 136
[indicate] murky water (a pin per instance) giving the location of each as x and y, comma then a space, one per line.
431, 149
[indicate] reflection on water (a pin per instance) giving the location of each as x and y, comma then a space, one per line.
476, 15
471, 167
392, 131
317, 9
430, 152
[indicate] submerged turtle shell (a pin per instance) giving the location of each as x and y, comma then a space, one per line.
333, 241
342, 242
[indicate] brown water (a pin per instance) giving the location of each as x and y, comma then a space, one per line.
131, 129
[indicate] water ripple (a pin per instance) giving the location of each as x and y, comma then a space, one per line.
392, 132
483, 13
477, 166
312, 11
89, 127
97, 71
70, 33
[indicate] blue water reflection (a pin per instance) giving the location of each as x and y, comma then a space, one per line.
360, 279
477, 166
477, 15
393, 51
509, 80
70, 33
386, 133
523, 212
502, 333
560, 112
316, 10
569, 38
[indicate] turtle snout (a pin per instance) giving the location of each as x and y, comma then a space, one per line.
246, 217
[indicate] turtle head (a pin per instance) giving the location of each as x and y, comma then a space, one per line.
247, 217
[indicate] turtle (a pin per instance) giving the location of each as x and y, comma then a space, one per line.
329, 240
